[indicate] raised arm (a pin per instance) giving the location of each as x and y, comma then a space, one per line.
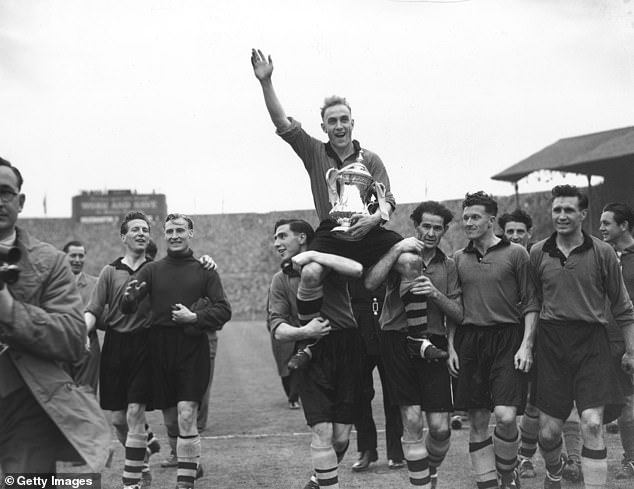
338, 264
263, 69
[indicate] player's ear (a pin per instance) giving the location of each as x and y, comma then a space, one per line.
323, 127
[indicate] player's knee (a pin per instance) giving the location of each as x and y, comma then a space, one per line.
186, 415
135, 416
412, 423
505, 419
591, 425
322, 434
439, 431
409, 265
312, 275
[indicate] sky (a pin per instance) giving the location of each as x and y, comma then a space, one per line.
159, 95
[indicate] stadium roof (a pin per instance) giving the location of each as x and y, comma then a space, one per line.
588, 154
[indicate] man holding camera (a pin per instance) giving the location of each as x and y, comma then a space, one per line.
44, 416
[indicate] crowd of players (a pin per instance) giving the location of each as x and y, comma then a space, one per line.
497, 329
506, 319
158, 319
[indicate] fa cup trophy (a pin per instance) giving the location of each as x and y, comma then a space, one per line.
353, 191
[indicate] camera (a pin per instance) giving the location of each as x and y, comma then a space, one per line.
9, 271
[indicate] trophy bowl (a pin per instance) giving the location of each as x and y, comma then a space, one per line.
351, 192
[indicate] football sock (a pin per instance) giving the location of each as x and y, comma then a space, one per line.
309, 302
483, 461
572, 437
415, 310
417, 462
135, 445
325, 465
626, 430
188, 453
529, 428
505, 452
552, 459
594, 465
437, 448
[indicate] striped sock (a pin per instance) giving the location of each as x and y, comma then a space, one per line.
483, 461
188, 453
415, 310
134, 456
309, 302
325, 465
417, 462
594, 465
437, 448
552, 459
505, 452
572, 436
626, 430
529, 427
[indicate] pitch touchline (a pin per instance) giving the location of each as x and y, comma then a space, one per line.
267, 435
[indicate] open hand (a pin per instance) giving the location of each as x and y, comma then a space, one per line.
262, 66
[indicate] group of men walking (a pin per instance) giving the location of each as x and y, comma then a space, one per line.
466, 332
497, 311
159, 318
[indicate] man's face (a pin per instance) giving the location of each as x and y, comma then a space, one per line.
610, 230
76, 257
178, 234
476, 221
338, 124
288, 243
11, 201
430, 230
516, 232
137, 237
566, 215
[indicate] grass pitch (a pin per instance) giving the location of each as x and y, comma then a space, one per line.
254, 441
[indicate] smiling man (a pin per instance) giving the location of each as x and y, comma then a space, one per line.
124, 375
329, 386
517, 226
577, 275
492, 348
617, 222
421, 388
185, 300
88, 369
366, 240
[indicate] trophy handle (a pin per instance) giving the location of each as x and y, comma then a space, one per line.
331, 181
380, 197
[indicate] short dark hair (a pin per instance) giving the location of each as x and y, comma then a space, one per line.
151, 250
297, 226
570, 191
483, 199
175, 215
431, 207
518, 215
17, 173
332, 101
131, 216
622, 213
73, 243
